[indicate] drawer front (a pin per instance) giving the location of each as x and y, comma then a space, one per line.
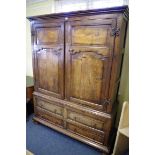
86, 132
52, 118
50, 107
84, 119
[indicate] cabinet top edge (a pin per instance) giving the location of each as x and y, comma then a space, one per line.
121, 9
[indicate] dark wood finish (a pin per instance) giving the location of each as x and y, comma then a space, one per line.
49, 58
48, 116
114, 10
29, 96
85, 131
29, 92
89, 46
77, 60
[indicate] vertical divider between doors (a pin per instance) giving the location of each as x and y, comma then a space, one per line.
65, 110
64, 58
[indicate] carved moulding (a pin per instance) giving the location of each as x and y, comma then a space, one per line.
102, 52
57, 51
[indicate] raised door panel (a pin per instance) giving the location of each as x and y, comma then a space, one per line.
47, 35
89, 47
49, 58
87, 76
89, 35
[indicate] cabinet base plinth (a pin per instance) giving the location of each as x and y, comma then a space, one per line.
103, 148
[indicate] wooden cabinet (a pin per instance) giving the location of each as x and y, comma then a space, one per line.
77, 61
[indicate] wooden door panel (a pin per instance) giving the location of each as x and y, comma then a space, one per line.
52, 72
42, 69
49, 58
48, 63
87, 76
49, 71
89, 35
89, 48
47, 35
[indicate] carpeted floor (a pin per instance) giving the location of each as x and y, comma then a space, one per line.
42, 140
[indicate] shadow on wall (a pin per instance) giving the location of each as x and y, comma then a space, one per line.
123, 94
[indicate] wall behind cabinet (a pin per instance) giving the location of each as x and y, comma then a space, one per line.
123, 94
38, 7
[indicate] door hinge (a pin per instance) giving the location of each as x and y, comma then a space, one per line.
107, 101
115, 31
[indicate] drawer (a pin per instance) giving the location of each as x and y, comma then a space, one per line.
48, 116
50, 106
85, 131
84, 119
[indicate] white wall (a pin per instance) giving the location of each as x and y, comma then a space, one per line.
35, 8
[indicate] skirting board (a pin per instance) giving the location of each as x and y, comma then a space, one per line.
75, 136
29, 153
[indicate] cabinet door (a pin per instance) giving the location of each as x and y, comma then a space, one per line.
89, 48
49, 58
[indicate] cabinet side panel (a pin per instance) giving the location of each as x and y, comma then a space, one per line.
117, 62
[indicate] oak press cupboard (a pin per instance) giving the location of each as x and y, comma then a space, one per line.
77, 59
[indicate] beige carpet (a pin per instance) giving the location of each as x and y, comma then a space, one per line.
29, 153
